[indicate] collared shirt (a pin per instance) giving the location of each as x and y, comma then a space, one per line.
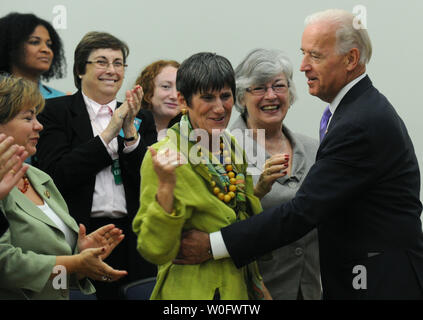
70, 236
217, 243
341, 94
108, 198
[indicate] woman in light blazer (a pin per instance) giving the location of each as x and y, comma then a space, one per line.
43, 252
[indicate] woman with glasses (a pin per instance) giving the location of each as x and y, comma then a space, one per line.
158, 81
265, 92
43, 252
93, 146
211, 188
31, 49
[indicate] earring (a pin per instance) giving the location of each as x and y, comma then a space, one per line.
184, 110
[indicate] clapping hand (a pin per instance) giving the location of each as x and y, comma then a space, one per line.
107, 237
90, 264
124, 116
12, 157
133, 103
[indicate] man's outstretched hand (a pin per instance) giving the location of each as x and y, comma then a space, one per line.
195, 248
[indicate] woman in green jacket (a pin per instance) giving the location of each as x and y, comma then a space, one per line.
43, 252
196, 178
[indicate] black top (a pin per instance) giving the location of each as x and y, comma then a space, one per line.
3, 224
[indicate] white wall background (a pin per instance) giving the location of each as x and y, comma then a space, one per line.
176, 29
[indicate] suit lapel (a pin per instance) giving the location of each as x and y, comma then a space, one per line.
81, 123
43, 185
349, 97
28, 207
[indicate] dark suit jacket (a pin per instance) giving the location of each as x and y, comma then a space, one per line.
69, 153
363, 195
3, 224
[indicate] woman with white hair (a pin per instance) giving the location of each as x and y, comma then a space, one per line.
264, 93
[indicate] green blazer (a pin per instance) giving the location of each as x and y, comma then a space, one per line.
29, 247
159, 235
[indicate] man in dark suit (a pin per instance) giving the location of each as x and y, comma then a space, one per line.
363, 191
92, 146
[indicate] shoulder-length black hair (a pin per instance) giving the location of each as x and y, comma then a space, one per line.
15, 29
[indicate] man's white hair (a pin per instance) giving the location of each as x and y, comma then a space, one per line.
348, 36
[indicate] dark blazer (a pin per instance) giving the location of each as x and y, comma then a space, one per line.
69, 153
363, 195
3, 224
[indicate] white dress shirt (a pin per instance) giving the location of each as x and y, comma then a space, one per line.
108, 198
69, 234
217, 243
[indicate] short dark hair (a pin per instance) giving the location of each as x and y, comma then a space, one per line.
92, 41
15, 29
203, 72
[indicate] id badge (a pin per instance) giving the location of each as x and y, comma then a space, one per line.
116, 172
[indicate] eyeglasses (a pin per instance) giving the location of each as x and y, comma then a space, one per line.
261, 90
104, 64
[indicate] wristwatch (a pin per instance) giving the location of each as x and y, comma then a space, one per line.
134, 137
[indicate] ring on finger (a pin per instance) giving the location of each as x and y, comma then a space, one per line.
174, 163
106, 278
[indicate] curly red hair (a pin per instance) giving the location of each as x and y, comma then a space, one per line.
146, 79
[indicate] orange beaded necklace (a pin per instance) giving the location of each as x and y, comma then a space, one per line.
25, 186
230, 191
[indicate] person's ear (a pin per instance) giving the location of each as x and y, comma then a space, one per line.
181, 101
352, 59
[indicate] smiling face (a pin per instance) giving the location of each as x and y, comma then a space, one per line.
164, 100
25, 129
102, 85
269, 109
210, 110
325, 69
37, 54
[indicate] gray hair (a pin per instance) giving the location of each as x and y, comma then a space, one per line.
261, 66
348, 36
